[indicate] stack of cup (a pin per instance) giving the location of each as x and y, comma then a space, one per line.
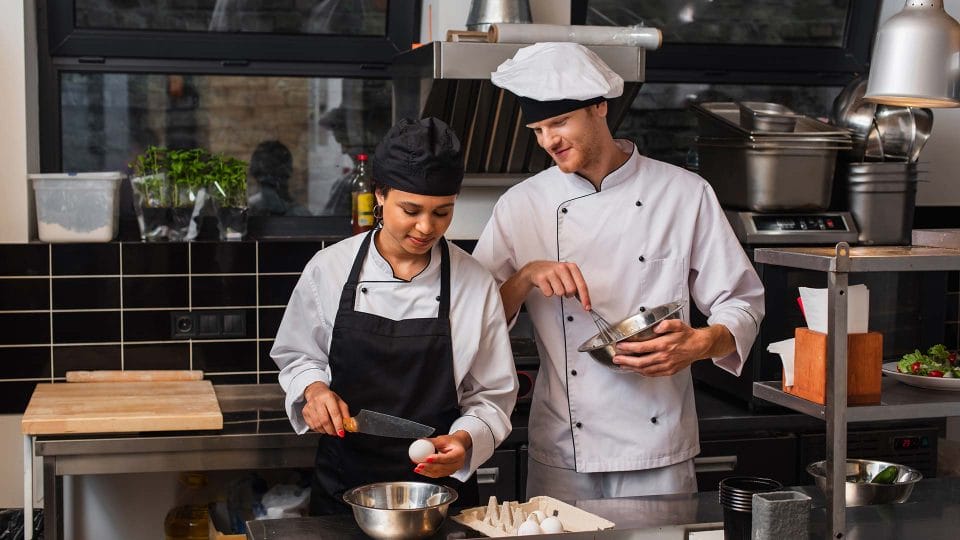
736, 498
882, 196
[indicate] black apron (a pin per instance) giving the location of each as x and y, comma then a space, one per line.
403, 368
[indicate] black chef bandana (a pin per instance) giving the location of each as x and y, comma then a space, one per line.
419, 156
535, 111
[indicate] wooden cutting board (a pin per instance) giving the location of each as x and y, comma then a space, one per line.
121, 407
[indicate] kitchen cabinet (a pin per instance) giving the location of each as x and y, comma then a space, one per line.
898, 401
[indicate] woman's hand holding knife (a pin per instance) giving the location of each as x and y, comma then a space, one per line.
324, 411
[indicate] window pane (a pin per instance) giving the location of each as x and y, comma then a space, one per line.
664, 128
342, 17
817, 23
107, 119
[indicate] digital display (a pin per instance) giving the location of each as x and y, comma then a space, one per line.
910, 443
775, 222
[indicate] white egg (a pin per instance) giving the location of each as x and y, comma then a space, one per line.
551, 525
420, 450
539, 515
528, 528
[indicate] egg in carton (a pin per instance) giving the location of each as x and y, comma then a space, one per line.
505, 519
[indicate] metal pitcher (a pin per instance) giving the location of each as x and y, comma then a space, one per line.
483, 13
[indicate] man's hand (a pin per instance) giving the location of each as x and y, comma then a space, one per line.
324, 411
677, 347
551, 277
450, 457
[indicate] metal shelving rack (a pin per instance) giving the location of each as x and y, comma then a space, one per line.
898, 401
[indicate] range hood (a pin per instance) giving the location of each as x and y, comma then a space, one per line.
451, 81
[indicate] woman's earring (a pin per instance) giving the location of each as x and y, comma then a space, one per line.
378, 212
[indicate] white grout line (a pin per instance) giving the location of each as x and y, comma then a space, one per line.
50, 305
190, 295
123, 354
130, 343
147, 276
256, 313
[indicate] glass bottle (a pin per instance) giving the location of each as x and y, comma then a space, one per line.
362, 197
189, 519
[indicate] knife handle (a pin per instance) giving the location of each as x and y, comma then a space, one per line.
350, 424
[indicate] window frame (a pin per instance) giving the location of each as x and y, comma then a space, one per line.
64, 48
764, 64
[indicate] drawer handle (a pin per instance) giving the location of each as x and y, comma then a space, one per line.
488, 475
714, 464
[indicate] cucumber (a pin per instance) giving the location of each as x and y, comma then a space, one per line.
887, 476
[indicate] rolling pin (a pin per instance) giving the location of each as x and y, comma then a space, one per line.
134, 375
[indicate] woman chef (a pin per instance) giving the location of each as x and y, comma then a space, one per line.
399, 321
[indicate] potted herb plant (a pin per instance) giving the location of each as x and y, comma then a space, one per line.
187, 174
151, 193
227, 187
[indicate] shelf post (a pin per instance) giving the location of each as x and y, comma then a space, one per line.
836, 402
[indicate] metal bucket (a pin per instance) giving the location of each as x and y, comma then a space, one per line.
483, 13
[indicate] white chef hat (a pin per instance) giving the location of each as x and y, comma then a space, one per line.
550, 79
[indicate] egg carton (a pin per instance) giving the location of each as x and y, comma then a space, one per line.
502, 519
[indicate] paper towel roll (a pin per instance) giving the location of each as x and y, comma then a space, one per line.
637, 36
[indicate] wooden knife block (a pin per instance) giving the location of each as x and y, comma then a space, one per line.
864, 367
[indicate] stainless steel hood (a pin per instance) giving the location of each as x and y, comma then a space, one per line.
451, 81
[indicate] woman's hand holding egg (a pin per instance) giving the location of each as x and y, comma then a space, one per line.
451, 453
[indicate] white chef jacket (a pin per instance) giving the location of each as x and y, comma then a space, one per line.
484, 371
653, 234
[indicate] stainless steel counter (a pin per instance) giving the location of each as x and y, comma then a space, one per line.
932, 513
257, 435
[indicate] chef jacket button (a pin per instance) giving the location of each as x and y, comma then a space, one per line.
639, 203
564, 210
642, 309
438, 298
653, 420
570, 318
363, 290
574, 373
579, 425
642, 259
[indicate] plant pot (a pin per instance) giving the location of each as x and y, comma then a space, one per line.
232, 222
151, 203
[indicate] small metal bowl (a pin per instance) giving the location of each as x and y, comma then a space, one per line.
859, 491
395, 510
639, 327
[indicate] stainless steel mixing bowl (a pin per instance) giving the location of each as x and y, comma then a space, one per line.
859, 491
395, 510
638, 327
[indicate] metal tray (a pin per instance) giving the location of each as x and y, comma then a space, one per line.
721, 119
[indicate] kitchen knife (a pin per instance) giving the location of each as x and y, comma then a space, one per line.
384, 425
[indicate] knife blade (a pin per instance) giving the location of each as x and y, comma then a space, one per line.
385, 425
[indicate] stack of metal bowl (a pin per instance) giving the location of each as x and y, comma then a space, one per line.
766, 158
860, 491
637, 327
882, 197
397, 510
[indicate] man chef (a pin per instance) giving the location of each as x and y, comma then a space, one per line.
624, 233
399, 321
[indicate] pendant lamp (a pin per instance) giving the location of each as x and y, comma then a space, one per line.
916, 58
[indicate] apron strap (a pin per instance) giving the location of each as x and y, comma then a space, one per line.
348, 296
444, 312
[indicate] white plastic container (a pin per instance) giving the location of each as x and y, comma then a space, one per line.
77, 207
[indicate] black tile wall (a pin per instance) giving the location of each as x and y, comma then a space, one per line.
24, 328
24, 294
157, 356
25, 362
211, 291
276, 290
25, 260
278, 257
86, 293
85, 357
67, 307
86, 326
155, 258
156, 292
85, 259
223, 258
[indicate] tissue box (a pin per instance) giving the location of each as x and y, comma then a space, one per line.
864, 367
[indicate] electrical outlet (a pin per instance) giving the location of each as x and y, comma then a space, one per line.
208, 323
